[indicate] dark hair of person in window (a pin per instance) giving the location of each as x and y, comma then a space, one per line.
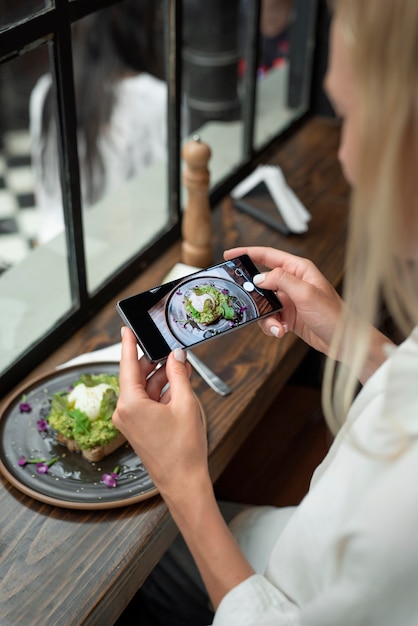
115, 43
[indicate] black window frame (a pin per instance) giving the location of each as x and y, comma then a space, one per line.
52, 26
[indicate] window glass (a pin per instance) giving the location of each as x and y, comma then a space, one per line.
120, 85
121, 100
286, 44
212, 102
11, 12
34, 282
217, 57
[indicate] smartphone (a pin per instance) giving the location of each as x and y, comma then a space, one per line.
259, 204
197, 308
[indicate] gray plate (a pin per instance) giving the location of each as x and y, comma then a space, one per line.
72, 482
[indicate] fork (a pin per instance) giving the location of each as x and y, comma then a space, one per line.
216, 383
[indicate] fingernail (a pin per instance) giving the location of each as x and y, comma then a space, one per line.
122, 330
285, 327
274, 330
259, 278
179, 355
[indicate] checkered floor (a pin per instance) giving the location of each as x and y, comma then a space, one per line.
19, 217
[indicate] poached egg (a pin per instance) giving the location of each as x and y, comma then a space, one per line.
198, 301
88, 399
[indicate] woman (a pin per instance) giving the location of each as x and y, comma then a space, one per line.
348, 553
121, 100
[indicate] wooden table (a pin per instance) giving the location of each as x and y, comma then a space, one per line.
63, 566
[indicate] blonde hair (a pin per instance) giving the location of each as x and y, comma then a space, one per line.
383, 38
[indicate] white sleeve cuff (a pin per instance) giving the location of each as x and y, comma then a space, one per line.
256, 602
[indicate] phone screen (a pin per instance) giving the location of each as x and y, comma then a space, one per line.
197, 308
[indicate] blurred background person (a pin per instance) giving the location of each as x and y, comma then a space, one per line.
275, 21
121, 100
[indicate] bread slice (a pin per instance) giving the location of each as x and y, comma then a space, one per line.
93, 454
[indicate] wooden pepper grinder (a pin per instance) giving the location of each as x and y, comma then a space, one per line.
197, 221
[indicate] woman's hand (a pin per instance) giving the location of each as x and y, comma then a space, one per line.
166, 431
311, 306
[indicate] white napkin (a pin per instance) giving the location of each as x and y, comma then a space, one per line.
180, 270
109, 354
293, 212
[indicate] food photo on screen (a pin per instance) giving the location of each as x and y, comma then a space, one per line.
205, 305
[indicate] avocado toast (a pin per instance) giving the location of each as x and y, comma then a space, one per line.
82, 417
206, 304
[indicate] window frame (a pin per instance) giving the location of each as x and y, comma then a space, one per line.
52, 26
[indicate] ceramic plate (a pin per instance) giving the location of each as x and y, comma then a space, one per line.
72, 481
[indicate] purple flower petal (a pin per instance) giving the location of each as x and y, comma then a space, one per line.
42, 425
42, 468
42, 465
25, 407
110, 480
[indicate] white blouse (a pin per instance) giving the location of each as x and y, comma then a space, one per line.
348, 554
